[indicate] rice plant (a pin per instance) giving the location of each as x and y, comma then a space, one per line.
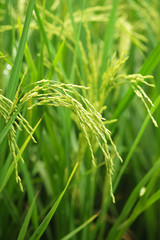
79, 117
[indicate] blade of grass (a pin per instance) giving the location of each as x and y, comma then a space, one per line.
45, 38
155, 197
141, 206
30, 193
24, 227
139, 135
151, 62
50, 48
56, 59
41, 53
40, 230
69, 5
11, 207
77, 37
73, 233
109, 36
14, 77
28, 56
108, 41
11, 168
132, 199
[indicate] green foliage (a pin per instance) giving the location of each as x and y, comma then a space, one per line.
83, 73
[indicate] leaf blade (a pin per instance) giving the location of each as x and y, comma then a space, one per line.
40, 230
14, 77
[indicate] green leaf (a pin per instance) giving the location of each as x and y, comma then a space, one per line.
142, 205
40, 230
45, 38
76, 35
56, 59
74, 232
132, 200
151, 62
28, 56
109, 36
14, 77
24, 227
30, 192
134, 145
